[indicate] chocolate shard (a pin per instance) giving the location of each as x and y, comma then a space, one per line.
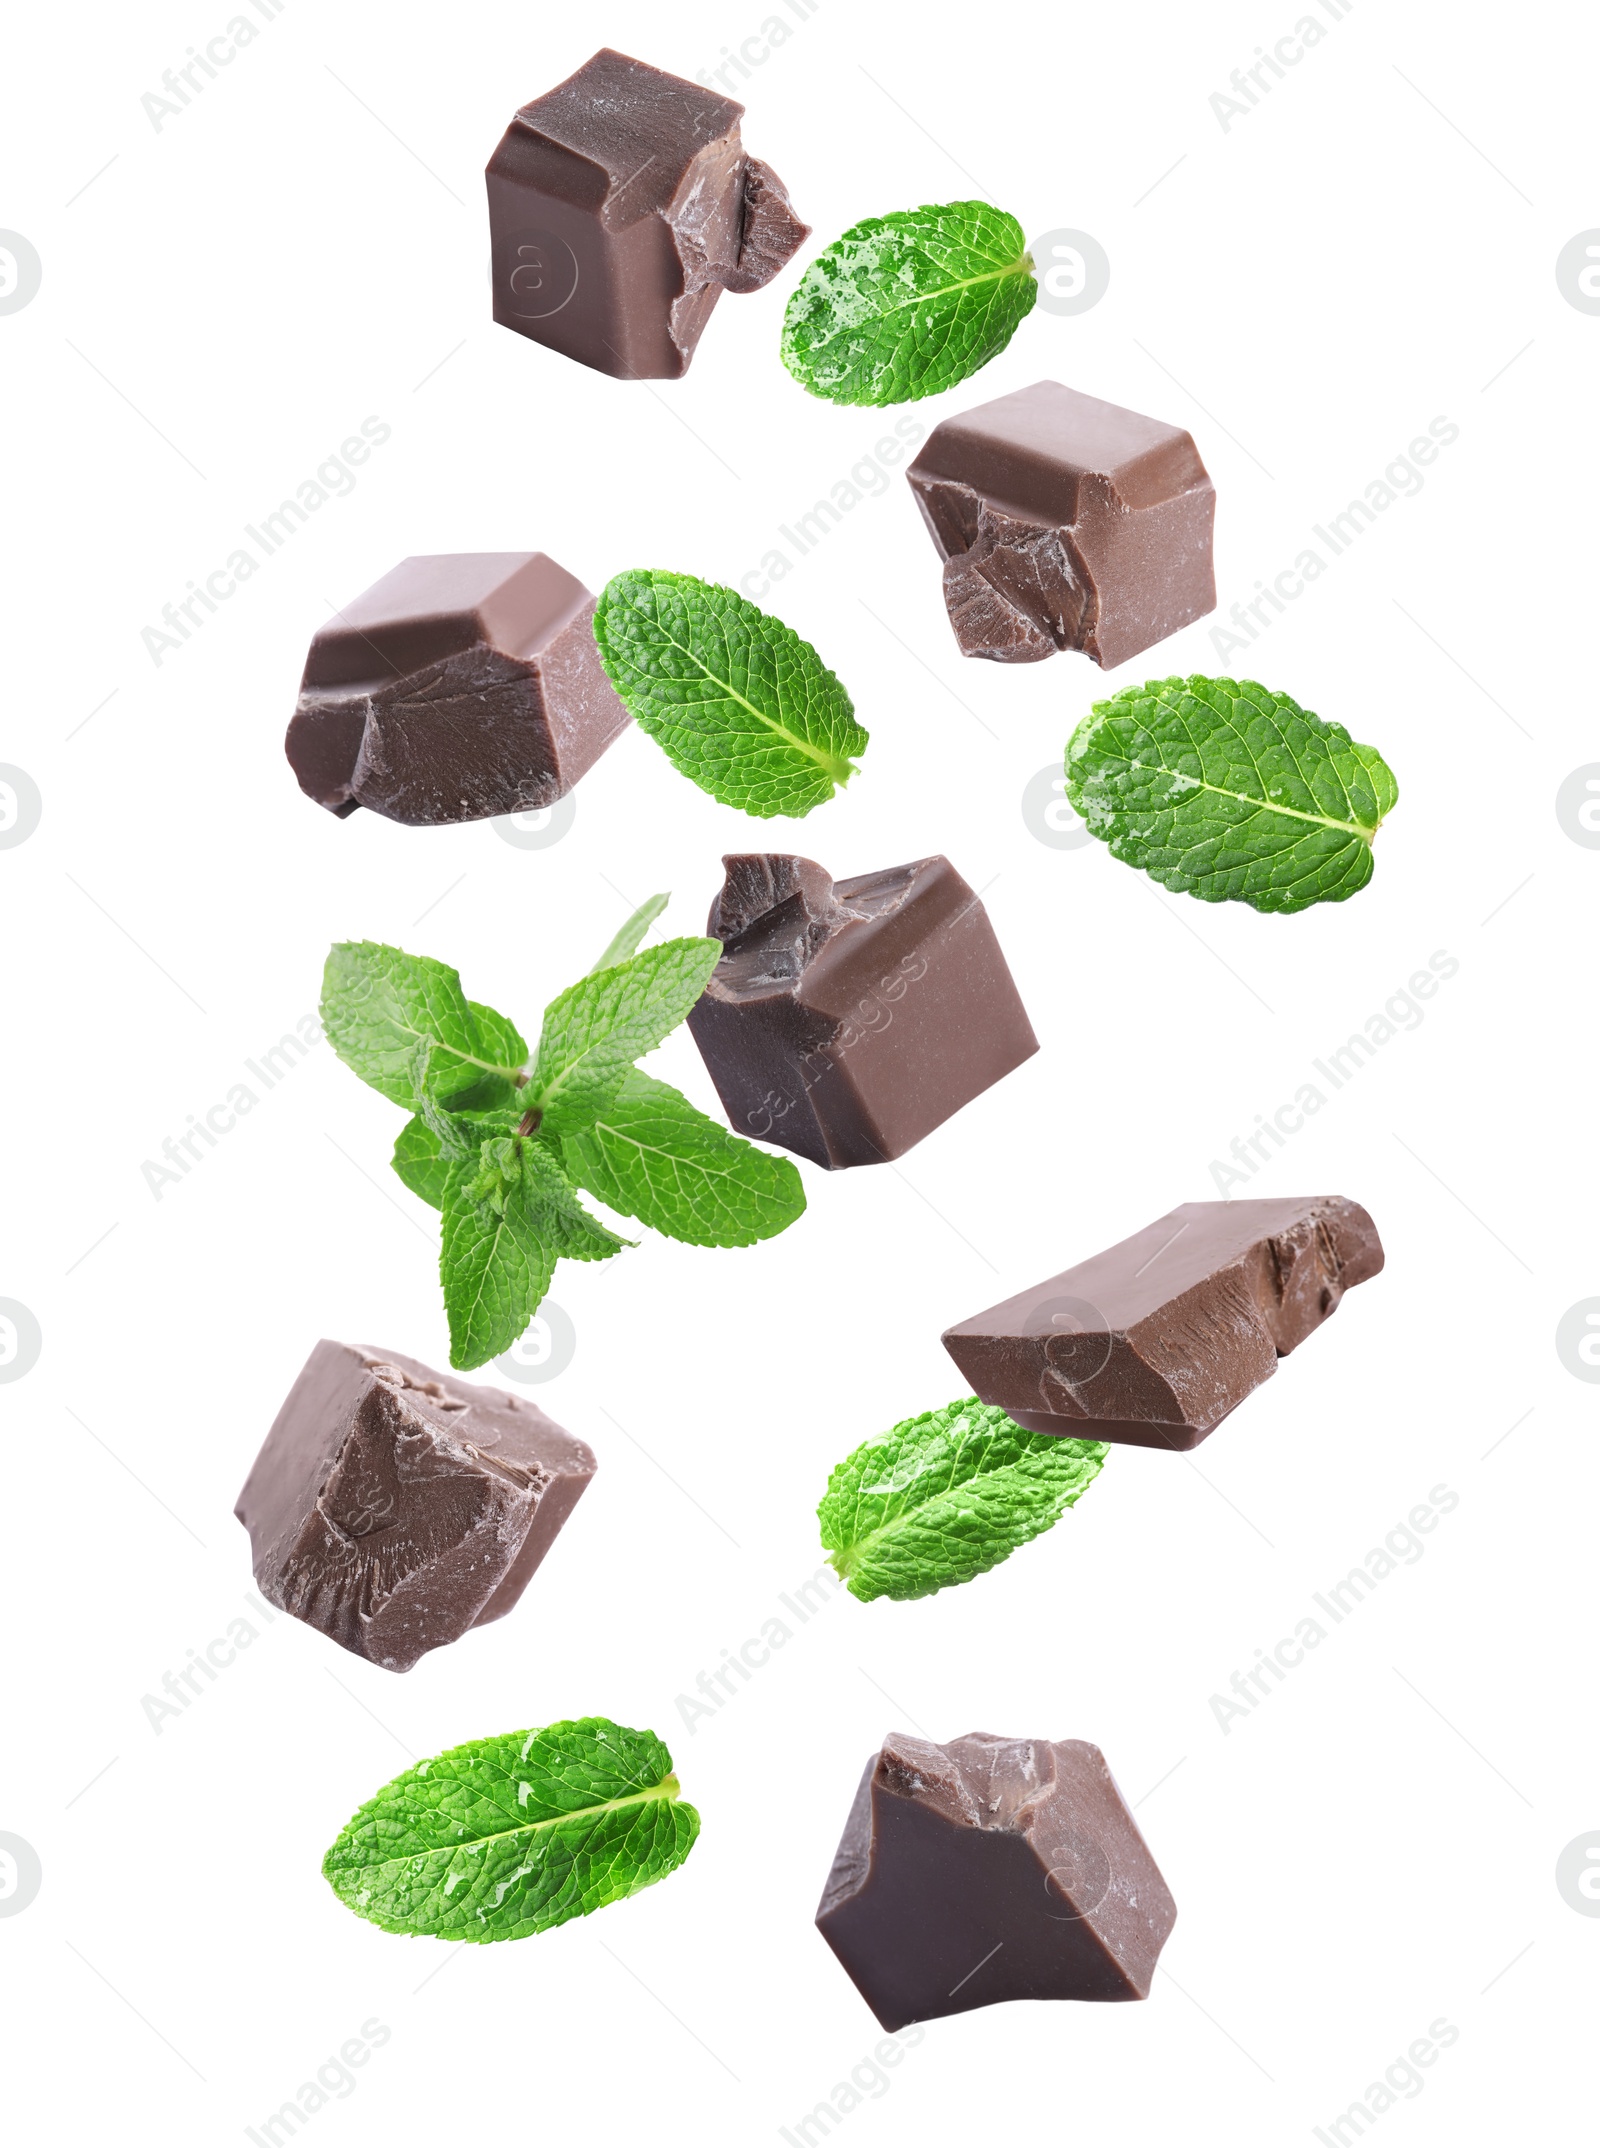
770, 235
992, 1869
1066, 523
1153, 1342
463, 685
847, 1019
621, 206
393, 1508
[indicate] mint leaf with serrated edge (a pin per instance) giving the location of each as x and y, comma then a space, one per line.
487, 1143
494, 1269
507, 1836
652, 1155
1225, 790
526, 1175
463, 1133
509, 1215
501, 1036
379, 1005
419, 1163
628, 937
908, 304
597, 1028
945, 1496
735, 699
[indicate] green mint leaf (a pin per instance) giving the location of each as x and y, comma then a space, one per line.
379, 1005
419, 1163
597, 1028
650, 1154
509, 1215
501, 1042
458, 1132
528, 1174
494, 1267
632, 933
908, 304
1221, 789
945, 1496
735, 699
507, 1836
504, 1045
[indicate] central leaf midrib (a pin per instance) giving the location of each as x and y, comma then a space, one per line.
1264, 805
1022, 266
666, 1790
439, 1044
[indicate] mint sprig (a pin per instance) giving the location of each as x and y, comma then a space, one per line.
502, 1151
907, 305
945, 1496
1222, 789
734, 698
507, 1836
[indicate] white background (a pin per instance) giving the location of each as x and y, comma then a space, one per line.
1373, 1849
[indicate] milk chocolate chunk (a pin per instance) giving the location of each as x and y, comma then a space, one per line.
462, 685
621, 206
847, 1019
1066, 523
992, 1869
1153, 1342
393, 1508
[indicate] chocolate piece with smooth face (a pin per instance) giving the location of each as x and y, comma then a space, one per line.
621, 206
463, 685
1066, 523
393, 1508
848, 1019
992, 1869
1153, 1342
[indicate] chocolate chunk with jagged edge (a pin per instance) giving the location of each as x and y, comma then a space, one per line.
463, 685
1153, 1342
992, 1869
847, 1019
1066, 523
621, 206
393, 1508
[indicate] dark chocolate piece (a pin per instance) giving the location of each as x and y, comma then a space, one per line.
1154, 1341
463, 685
393, 1508
848, 1019
1066, 523
621, 206
992, 1869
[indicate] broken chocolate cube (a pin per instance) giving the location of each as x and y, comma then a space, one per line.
621, 206
1153, 1342
1066, 523
463, 685
992, 1869
846, 1020
393, 1508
